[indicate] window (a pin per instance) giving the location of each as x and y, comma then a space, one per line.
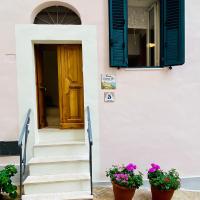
57, 15
146, 33
143, 33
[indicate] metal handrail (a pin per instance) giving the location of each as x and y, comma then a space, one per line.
90, 139
22, 133
23, 136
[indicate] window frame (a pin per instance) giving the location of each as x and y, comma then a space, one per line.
172, 34
156, 6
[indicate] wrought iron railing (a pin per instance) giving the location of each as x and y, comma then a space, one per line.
22, 143
90, 139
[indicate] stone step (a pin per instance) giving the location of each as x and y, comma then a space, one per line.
58, 165
60, 135
60, 148
47, 144
49, 184
60, 196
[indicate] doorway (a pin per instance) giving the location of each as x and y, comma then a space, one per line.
59, 86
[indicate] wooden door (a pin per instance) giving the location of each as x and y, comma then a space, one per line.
40, 88
70, 77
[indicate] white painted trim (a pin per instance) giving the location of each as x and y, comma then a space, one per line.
146, 69
26, 37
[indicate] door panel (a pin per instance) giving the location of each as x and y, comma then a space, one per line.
40, 88
70, 78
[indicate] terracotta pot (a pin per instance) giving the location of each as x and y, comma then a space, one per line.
161, 194
123, 193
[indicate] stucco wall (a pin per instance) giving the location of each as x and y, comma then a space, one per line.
156, 114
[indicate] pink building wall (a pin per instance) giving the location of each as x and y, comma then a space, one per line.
156, 115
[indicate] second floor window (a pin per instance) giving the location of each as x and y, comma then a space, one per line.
146, 33
143, 33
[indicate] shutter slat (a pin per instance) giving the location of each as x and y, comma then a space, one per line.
172, 32
118, 26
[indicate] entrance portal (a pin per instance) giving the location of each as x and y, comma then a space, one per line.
59, 86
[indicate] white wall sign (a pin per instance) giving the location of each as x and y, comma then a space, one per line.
108, 81
109, 96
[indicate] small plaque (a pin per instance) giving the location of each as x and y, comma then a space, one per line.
108, 82
109, 96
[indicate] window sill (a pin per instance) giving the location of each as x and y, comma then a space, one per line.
145, 69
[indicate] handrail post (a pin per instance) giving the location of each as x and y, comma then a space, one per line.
25, 145
23, 136
20, 189
91, 182
89, 130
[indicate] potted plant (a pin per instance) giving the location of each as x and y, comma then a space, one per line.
163, 184
6, 185
125, 181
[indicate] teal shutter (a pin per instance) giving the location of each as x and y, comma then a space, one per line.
118, 33
172, 32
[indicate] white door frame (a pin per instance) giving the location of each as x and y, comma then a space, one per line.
26, 37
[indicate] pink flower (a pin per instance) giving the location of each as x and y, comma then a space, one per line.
131, 167
121, 177
151, 170
154, 168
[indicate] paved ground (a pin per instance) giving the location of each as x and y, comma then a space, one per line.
105, 193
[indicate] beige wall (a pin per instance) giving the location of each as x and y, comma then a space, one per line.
156, 114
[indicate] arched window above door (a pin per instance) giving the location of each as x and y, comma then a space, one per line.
57, 15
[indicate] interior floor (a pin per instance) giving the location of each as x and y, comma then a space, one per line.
52, 117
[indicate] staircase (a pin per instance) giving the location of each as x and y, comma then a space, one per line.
60, 167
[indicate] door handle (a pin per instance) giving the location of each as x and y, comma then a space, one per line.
43, 88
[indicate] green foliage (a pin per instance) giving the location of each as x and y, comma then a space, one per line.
6, 182
123, 177
165, 180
